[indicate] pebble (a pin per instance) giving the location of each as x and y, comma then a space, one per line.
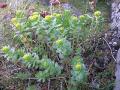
114, 43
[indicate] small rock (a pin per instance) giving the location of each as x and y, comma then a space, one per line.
114, 43
110, 43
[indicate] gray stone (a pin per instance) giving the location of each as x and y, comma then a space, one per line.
116, 24
115, 16
117, 74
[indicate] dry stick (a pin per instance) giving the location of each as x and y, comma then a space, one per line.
61, 87
110, 49
91, 66
28, 82
49, 84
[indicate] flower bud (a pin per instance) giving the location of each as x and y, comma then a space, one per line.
97, 13
27, 57
78, 67
5, 49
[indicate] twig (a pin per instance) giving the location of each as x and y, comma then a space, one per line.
49, 84
91, 65
110, 49
15, 70
28, 82
27, 78
61, 85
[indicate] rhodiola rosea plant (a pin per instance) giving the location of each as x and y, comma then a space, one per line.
51, 45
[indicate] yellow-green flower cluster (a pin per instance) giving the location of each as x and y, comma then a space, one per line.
14, 20
78, 72
82, 18
34, 16
57, 15
48, 18
5, 49
59, 42
15, 23
97, 14
74, 18
27, 57
78, 66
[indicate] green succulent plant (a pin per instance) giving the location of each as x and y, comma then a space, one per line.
78, 72
60, 35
